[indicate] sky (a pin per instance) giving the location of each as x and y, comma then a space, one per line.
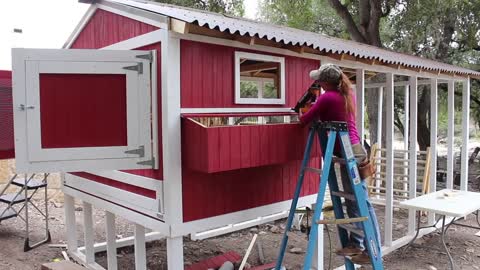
48, 23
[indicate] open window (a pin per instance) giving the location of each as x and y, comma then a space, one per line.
259, 79
78, 110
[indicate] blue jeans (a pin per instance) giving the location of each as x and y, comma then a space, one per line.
352, 211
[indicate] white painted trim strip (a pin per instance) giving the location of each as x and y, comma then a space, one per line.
148, 222
238, 226
465, 134
235, 110
389, 161
111, 244
78, 29
132, 179
124, 242
138, 41
412, 161
450, 134
89, 233
360, 95
238, 217
433, 140
136, 14
140, 249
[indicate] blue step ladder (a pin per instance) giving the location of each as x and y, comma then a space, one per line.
327, 134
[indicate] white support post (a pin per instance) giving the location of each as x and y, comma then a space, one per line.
172, 158
175, 251
360, 95
140, 250
378, 182
89, 233
412, 159
389, 161
406, 107
70, 222
111, 241
450, 133
433, 140
317, 261
465, 134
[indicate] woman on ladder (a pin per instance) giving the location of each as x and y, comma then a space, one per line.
337, 103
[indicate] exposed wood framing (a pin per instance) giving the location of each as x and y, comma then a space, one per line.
179, 26
465, 134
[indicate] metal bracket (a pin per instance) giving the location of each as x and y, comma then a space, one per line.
23, 107
150, 162
148, 56
140, 151
138, 68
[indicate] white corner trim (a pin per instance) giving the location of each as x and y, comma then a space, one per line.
137, 14
260, 99
138, 41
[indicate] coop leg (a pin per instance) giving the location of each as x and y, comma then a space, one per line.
89, 233
317, 262
111, 243
140, 251
175, 253
71, 223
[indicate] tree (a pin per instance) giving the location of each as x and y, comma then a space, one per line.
232, 7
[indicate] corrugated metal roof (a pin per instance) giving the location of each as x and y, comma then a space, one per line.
287, 35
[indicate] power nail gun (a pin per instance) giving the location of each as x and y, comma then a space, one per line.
308, 98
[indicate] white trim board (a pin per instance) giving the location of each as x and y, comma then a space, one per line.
238, 217
259, 100
149, 222
130, 200
236, 110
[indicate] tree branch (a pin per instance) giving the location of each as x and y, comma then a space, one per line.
352, 28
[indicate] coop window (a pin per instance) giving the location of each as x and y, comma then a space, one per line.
259, 79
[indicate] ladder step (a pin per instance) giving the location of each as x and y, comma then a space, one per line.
32, 184
9, 213
342, 220
314, 170
345, 195
351, 228
10, 198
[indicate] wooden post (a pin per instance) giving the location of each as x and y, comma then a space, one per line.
389, 161
433, 140
465, 134
89, 233
140, 250
406, 126
111, 242
360, 95
378, 182
450, 133
70, 223
412, 159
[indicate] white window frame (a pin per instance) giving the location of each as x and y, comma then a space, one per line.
30, 157
260, 99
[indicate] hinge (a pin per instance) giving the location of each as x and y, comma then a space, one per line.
150, 162
140, 151
148, 56
138, 68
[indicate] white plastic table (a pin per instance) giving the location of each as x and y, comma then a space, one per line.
446, 202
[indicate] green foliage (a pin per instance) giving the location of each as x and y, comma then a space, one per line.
248, 89
232, 7
269, 90
310, 15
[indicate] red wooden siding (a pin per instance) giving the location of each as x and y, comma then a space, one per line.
7, 149
116, 184
92, 113
216, 149
207, 76
211, 194
106, 28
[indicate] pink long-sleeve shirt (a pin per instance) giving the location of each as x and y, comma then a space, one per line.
330, 106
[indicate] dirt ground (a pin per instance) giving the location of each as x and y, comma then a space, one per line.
463, 243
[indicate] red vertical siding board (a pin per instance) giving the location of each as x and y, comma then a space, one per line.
236, 147
105, 28
224, 148
245, 147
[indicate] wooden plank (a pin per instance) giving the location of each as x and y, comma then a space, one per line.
412, 170
140, 249
389, 161
179, 26
89, 233
111, 243
63, 265
360, 95
247, 253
